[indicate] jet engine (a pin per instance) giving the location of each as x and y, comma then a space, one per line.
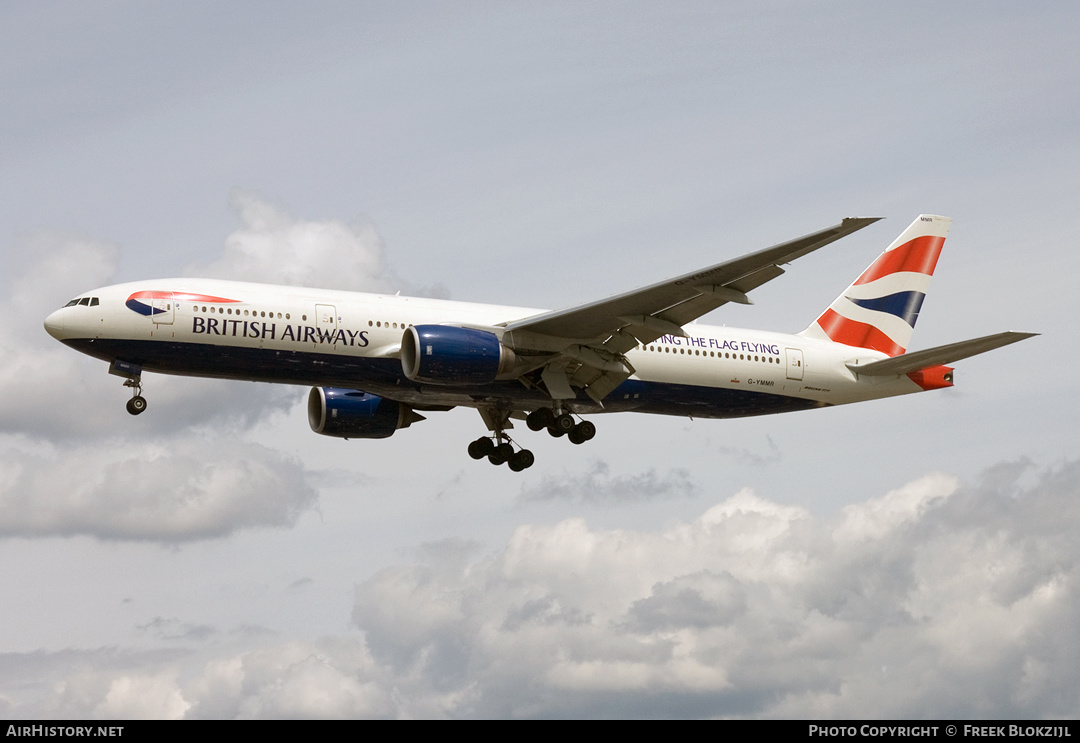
443, 354
352, 414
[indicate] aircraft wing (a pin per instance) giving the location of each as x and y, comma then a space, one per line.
663, 308
588, 341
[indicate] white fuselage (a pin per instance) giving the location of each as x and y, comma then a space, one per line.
236, 330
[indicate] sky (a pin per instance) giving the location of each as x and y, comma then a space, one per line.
213, 558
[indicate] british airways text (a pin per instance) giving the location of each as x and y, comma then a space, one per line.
269, 331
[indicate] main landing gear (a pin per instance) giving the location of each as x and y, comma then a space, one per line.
560, 425
137, 403
499, 448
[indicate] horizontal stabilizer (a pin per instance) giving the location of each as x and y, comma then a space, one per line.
947, 354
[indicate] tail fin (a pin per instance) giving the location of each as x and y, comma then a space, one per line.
878, 311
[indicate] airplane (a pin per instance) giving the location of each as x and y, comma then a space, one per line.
376, 362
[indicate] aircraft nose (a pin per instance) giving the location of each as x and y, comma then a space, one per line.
54, 325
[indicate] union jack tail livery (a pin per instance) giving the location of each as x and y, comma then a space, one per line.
878, 311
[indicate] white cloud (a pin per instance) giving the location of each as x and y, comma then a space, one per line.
327, 679
39, 378
876, 517
929, 601
184, 488
965, 605
50, 390
142, 697
276, 248
74, 462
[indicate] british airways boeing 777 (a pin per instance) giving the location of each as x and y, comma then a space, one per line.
377, 361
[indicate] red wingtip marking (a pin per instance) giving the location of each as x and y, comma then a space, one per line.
933, 377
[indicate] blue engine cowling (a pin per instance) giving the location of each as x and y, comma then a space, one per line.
443, 354
352, 414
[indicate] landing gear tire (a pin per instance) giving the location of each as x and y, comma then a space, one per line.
501, 454
582, 432
136, 405
481, 447
562, 425
540, 419
522, 460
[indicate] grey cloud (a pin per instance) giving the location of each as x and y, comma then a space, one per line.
699, 601
598, 486
174, 629
749, 457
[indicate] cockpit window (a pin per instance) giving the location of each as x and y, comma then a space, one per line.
85, 301
72, 303
93, 301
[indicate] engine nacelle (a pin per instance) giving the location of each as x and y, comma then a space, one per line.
352, 414
442, 354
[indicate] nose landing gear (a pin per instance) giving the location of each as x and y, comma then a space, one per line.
137, 403
132, 374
